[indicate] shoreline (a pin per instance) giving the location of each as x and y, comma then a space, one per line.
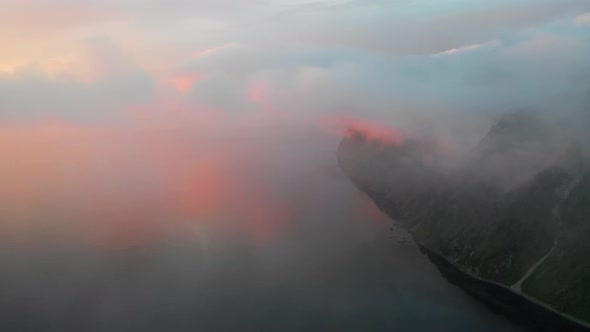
513, 304
519, 307
501, 299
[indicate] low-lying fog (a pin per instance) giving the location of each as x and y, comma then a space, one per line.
153, 230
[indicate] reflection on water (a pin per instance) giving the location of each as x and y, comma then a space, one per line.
164, 234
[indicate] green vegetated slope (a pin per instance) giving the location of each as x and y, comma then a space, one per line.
515, 211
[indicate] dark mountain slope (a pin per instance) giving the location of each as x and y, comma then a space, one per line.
515, 213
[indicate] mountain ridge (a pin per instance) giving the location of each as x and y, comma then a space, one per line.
523, 232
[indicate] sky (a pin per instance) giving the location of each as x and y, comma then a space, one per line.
89, 61
130, 99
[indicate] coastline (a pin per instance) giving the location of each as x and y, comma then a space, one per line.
503, 300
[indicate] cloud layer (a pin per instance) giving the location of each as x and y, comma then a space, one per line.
141, 137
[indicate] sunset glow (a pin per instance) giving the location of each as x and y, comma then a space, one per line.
289, 165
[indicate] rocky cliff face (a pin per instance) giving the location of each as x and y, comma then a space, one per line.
515, 211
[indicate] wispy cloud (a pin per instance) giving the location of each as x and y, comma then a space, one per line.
583, 19
453, 51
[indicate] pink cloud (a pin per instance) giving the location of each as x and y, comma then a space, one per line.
124, 185
257, 93
183, 83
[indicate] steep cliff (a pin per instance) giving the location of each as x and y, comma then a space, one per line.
515, 213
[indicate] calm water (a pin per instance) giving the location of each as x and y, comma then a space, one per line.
307, 253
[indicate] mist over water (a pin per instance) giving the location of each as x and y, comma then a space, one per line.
288, 244
170, 165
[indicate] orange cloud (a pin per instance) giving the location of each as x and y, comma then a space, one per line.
43, 35
45, 17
